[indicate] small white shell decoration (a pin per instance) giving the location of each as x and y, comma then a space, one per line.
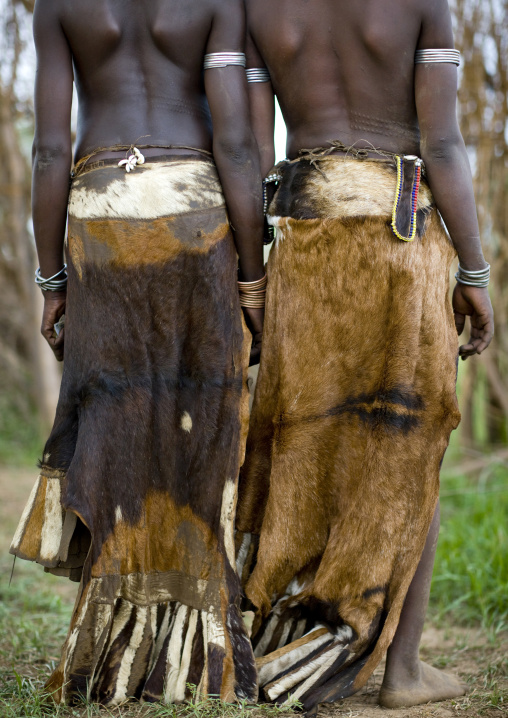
135, 159
140, 158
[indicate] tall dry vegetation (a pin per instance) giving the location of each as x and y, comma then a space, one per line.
16, 258
27, 381
482, 36
27, 373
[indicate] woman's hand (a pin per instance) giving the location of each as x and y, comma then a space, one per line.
254, 319
473, 302
54, 308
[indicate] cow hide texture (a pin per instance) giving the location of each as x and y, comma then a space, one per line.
352, 413
138, 484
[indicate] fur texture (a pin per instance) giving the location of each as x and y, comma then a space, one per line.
353, 409
147, 442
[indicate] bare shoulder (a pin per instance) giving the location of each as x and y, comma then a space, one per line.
47, 12
249, 6
436, 30
228, 8
47, 26
256, 10
228, 26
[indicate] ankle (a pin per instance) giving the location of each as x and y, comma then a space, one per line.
402, 668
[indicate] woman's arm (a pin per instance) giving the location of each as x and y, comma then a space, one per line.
262, 110
449, 174
235, 150
51, 156
234, 147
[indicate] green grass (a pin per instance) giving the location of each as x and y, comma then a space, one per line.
21, 442
470, 587
490, 692
33, 618
33, 625
25, 698
211, 708
470, 584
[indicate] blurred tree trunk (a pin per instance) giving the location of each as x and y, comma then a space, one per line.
481, 28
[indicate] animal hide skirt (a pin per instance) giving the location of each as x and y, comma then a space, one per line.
138, 485
352, 413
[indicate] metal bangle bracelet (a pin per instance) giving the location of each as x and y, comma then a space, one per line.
473, 278
52, 284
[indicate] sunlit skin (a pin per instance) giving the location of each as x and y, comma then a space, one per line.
345, 70
137, 67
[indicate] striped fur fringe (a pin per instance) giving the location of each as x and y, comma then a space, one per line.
153, 653
295, 653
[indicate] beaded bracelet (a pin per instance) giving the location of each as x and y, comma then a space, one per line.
52, 284
476, 278
253, 294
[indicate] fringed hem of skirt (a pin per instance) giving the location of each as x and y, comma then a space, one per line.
48, 533
165, 652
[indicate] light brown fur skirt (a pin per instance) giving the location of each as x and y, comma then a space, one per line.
137, 491
353, 409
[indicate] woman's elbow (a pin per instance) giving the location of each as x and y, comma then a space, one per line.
442, 149
236, 149
47, 155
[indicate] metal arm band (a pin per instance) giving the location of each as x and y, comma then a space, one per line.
431, 56
223, 59
257, 74
477, 278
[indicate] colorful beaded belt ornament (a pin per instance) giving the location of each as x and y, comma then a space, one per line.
409, 170
270, 231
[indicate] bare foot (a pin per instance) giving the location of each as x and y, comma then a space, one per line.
430, 685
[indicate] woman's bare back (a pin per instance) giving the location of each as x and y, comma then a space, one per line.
137, 69
344, 70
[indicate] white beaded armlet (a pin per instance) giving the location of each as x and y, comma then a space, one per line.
257, 74
223, 59
429, 56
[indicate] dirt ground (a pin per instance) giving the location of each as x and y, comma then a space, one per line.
465, 652
479, 658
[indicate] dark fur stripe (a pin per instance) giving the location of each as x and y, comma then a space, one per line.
111, 666
197, 657
154, 686
245, 667
216, 657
